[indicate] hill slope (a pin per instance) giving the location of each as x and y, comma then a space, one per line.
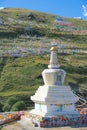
26, 31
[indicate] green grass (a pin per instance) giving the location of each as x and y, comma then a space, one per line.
22, 76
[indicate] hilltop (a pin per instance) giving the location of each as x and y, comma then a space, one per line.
14, 21
25, 40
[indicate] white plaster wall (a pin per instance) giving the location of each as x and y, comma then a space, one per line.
41, 107
52, 108
69, 108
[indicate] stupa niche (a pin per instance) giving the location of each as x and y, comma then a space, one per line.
54, 98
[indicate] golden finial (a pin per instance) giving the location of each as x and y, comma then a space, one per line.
53, 49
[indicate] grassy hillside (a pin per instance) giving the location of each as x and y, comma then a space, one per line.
27, 31
23, 75
17, 22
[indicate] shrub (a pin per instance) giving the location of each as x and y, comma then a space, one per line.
6, 107
20, 105
9, 103
1, 106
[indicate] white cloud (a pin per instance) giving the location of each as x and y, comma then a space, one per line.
84, 10
1, 7
77, 17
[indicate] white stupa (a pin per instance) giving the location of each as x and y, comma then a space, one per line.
53, 98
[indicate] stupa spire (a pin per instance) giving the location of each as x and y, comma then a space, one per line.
53, 58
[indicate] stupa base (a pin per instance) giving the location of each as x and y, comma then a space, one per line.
53, 114
57, 121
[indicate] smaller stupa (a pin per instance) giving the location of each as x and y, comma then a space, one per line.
54, 98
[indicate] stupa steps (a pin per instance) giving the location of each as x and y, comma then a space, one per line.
54, 91
57, 94
59, 87
57, 91
60, 95
58, 100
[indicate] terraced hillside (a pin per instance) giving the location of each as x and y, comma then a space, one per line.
25, 40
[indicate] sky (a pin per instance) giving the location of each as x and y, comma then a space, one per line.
65, 8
